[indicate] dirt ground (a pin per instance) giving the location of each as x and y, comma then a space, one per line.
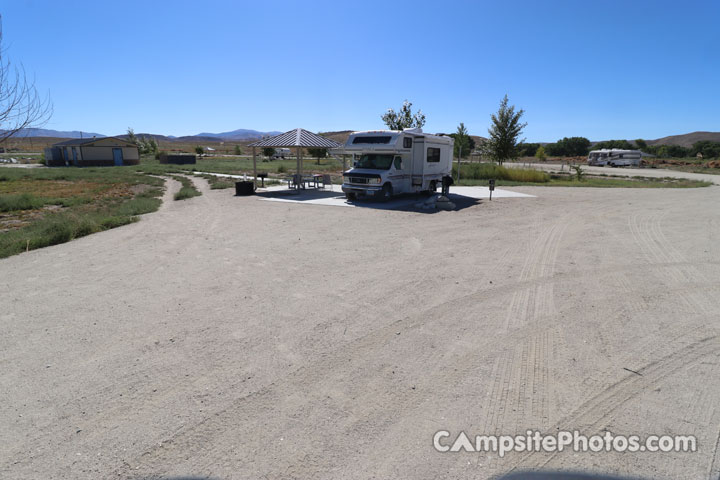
234, 338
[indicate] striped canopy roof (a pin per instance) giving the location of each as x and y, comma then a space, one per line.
298, 137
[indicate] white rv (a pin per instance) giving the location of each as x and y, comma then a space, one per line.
615, 157
281, 153
390, 162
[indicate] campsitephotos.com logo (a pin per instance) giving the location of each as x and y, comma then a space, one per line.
535, 441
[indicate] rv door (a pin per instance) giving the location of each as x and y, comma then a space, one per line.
418, 163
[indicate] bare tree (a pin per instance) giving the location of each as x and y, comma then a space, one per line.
20, 104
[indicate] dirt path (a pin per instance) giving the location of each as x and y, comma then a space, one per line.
235, 338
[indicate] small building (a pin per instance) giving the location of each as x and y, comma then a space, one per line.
92, 152
178, 158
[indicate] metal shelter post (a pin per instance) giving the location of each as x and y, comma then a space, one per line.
254, 170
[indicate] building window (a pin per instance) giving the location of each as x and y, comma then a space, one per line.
407, 142
433, 155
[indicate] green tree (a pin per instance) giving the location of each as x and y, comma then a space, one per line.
641, 144
238, 150
527, 149
540, 153
268, 151
569, 147
147, 146
463, 141
404, 118
504, 132
707, 148
621, 144
318, 153
131, 136
199, 150
576, 146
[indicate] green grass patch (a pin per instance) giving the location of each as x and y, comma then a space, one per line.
93, 200
219, 183
187, 190
598, 182
486, 171
22, 201
480, 173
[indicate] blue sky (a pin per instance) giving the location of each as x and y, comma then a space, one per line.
599, 69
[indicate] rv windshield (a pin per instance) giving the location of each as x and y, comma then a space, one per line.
374, 161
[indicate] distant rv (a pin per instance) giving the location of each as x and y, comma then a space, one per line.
281, 153
615, 157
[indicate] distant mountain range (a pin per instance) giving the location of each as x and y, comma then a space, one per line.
235, 135
42, 132
238, 135
243, 135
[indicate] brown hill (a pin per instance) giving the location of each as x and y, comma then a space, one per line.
687, 139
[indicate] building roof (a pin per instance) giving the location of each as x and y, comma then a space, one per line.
84, 141
298, 137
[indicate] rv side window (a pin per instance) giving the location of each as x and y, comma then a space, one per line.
433, 155
369, 139
407, 142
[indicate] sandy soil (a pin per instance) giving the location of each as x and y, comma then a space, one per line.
236, 338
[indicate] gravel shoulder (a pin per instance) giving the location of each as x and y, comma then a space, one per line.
230, 337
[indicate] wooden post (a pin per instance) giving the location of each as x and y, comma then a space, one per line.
254, 170
299, 163
458, 172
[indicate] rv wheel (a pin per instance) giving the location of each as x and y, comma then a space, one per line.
350, 196
386, 192
433, 186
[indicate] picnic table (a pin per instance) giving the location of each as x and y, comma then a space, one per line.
306, 181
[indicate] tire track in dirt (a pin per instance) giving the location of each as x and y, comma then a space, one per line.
194, 438
523, 388
596, 413
714, 466
648, 234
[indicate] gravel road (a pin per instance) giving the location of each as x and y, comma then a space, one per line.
228, 337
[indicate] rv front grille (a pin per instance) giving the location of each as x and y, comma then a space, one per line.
358, 180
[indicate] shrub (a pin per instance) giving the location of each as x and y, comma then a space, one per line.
282, 169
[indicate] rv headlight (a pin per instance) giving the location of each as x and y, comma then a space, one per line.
374, 180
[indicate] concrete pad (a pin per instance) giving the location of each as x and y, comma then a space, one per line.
335, 197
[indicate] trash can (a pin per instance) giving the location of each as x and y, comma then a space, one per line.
244, 188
